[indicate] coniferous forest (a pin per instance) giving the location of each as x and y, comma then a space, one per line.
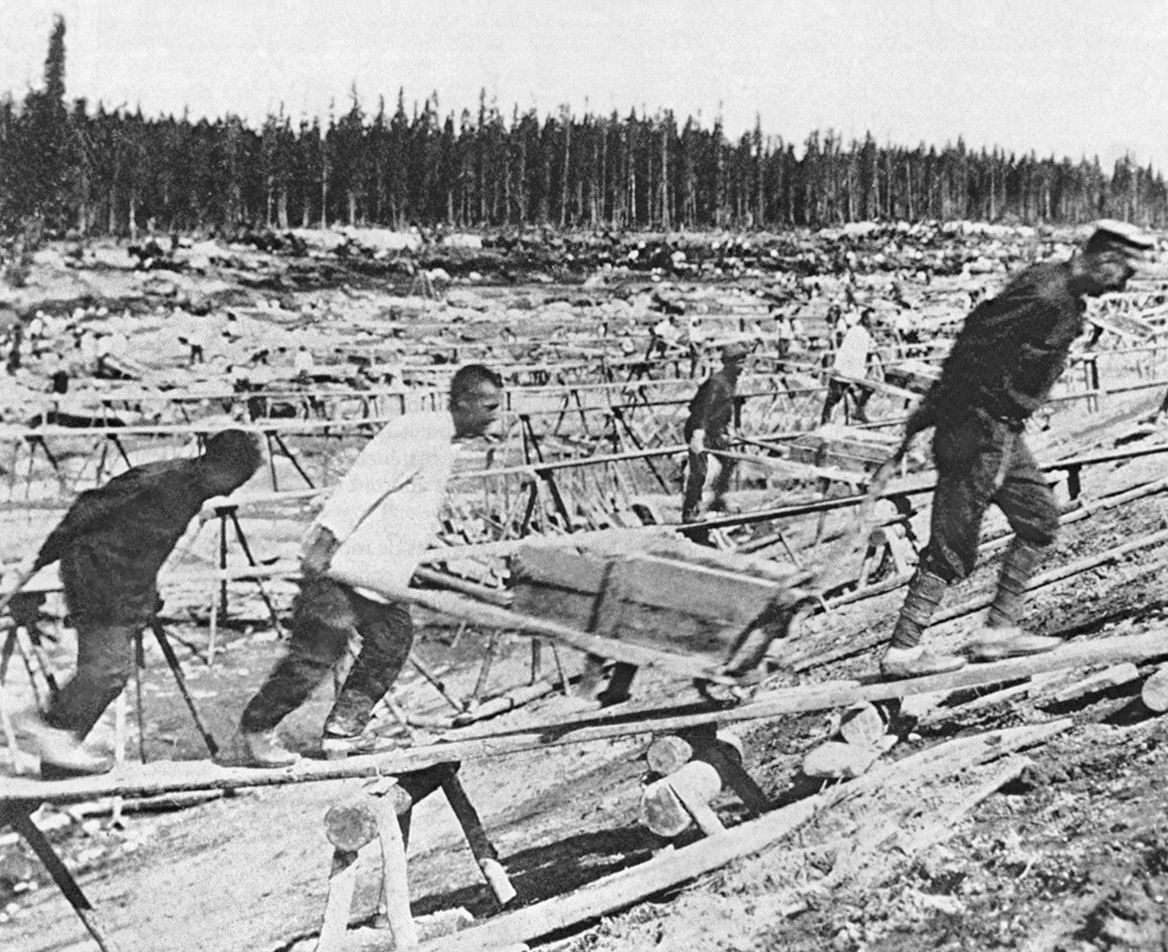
73, 166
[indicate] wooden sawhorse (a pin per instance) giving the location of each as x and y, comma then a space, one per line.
383, 811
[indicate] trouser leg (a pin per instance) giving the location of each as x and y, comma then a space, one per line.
720, 484
323, 620
1029, 505
105, 661
969, 471
387, 634
695, 481
861, 396
835, 393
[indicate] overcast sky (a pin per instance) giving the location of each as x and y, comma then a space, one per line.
1062, 76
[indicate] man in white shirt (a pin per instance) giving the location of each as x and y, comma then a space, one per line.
367, 540
851, 360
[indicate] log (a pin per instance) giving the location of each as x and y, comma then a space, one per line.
862, 725
1112, 677
724, 751
495, 706
349, 826
1154, 693
668, 754
834, 760
667, 805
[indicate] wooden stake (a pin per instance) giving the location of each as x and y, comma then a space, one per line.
341, 883
395, 889
476, 837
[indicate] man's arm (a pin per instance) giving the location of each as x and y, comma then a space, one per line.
93, 509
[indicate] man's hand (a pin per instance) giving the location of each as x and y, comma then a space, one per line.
25, 567
697, 442
319, 552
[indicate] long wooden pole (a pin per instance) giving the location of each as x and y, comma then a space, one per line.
167, 776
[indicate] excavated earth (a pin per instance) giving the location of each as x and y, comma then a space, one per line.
1071, 855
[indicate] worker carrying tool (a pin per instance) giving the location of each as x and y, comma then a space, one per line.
111, 544
1009, 353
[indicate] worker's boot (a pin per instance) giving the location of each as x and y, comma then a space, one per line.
905, 657
264, 750
1001, 636
61, 752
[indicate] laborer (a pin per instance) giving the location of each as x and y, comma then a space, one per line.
368, 539
1009, 353
851, 361
111, 544
711, 413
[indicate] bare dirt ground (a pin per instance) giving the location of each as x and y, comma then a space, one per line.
1071, 856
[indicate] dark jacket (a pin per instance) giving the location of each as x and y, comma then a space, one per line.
1011, 349
712, 408
114, 539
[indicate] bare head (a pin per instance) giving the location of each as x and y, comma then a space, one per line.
229, 460
475, 400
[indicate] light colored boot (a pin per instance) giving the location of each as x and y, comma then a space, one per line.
60, 751
1001, 636
918, 662
997, 643
264, 750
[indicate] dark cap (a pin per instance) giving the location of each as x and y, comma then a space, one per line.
1110, 234
735, 350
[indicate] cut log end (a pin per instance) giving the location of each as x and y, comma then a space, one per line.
349, 826
1154, 693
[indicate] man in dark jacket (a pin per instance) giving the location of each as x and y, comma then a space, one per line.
1008, 355
111, 544
711, 413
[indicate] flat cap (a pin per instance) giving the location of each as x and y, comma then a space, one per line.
735, 350
1112, 234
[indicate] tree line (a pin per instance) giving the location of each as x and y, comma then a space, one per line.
94, 171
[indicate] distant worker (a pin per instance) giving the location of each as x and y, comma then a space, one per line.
367, 540
111, 544
711, 413
1007, 356
851, 361
303, 362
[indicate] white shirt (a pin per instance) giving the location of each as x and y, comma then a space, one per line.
851, 359
384, 512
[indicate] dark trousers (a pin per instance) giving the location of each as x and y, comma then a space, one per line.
980, 461
105, 661
697, 469
837, 390
325, 614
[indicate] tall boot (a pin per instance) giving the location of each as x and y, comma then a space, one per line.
1002, 636
905, 657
